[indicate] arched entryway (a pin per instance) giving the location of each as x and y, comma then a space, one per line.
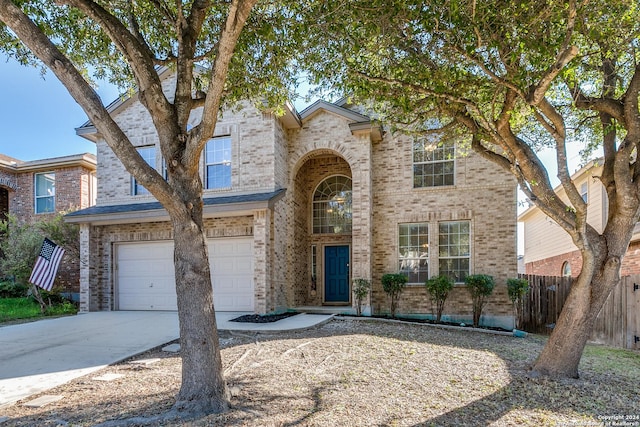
323, 219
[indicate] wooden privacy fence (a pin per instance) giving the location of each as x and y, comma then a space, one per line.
618, 323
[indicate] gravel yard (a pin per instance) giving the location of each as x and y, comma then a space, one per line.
363, 373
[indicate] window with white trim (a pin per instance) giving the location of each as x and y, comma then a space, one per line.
148, 154
332, 206
454, 249
413, 251
433, 163
45, 191
584, 191
218, 163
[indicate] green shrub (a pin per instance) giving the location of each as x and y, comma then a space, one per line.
517, 289
361, 288
393, 284
480, 286
439, 288
13, 290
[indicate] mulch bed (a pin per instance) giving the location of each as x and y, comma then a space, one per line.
267, 318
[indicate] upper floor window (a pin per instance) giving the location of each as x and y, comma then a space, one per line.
148, 154
433, 163
413, 251
45, 184
584, 191
332, 206
454, 249
218, 163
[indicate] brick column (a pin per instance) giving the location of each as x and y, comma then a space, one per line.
85, 234
362, 200
262, 261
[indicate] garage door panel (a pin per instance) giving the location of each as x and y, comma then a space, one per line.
146, 275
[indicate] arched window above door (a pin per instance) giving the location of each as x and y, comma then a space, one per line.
332, 206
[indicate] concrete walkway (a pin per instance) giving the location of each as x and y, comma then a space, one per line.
37, 356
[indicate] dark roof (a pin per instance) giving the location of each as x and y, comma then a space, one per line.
150, 206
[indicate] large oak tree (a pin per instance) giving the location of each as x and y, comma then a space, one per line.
241, 50
511, 77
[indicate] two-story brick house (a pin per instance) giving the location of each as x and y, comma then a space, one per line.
38, 189
296, 207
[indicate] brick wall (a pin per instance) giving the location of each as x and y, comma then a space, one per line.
253, 156
73, 190
482, 194
552, 266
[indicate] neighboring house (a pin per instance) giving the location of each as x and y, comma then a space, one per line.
549, 250
38, 189
296, 207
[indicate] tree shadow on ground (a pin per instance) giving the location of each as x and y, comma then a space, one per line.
377, 373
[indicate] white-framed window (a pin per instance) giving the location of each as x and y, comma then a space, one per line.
332, 206
566, 269
218, 163
454, 249
148, 154
413, 251
45, 191
584, 191
433, 163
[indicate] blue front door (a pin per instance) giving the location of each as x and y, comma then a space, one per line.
336, 274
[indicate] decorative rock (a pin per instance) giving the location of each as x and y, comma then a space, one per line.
43, 400
108, 377
144, 361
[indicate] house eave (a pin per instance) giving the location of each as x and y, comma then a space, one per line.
85, 160
152, 212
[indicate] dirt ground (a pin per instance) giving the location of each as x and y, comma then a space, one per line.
363, 373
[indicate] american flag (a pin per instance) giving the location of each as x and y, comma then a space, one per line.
44, 272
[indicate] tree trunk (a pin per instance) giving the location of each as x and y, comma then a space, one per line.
203, 387
561, 356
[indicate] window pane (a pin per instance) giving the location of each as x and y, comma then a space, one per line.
332, 211
433, 164
413, 251
454, 249
45, 191
148, 154
218, 162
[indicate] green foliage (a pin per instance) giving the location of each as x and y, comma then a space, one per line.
393, 284
20, 244
439, 288
8, 289
361, 288
480, 286
517, 289
27, 308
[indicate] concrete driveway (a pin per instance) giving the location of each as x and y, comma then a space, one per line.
37, 356
40, 355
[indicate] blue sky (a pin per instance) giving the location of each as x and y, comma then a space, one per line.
38, 117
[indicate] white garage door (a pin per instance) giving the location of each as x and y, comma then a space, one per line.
145, 275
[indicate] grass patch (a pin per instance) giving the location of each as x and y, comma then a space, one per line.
26, 308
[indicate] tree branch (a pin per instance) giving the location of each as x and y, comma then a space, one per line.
139, 56
238, 13
86, 97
